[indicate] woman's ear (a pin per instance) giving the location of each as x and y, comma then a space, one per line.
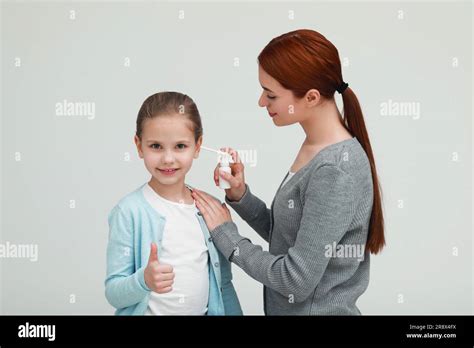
312, 98
138, 143
198, 147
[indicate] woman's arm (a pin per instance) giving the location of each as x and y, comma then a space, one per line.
253, 211
329, 208
238, 196
124, 286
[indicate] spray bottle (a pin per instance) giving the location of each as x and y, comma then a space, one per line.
224, 166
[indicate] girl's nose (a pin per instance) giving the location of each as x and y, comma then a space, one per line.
168, 158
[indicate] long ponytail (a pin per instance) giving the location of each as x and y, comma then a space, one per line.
355, 124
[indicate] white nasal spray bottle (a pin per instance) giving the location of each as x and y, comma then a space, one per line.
224, 166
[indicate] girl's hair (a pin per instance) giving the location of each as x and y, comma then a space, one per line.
304, 59
168, 104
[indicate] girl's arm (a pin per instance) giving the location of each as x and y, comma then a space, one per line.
229, 296
253, 211
124, 286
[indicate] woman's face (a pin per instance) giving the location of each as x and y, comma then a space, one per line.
281, 104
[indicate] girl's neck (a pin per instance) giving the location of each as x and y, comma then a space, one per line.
178, 192
324, 126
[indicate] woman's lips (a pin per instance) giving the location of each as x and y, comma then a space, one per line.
272, 114
168, 171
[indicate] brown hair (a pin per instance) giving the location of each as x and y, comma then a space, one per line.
304, 59
166, 104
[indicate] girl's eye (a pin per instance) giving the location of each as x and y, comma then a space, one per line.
270, 97
155, 146
181, 146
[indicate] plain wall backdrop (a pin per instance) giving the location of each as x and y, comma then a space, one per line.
410, 64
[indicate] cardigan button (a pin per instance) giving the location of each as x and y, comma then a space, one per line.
210, 239
216, 264
199, 213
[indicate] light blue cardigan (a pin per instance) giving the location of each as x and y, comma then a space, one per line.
133, 225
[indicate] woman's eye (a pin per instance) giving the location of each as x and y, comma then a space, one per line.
270, 97
155, 146
181, 146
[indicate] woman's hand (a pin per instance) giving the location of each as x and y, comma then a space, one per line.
236, 179
214, 213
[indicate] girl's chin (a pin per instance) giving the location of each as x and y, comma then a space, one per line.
166, 181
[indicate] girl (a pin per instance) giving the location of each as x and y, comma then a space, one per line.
160, 257
326, 217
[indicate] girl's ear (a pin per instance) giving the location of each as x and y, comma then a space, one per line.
138, 143
198, 147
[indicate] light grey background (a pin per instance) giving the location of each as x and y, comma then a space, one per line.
65, 158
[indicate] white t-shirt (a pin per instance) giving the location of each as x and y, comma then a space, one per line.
183, 247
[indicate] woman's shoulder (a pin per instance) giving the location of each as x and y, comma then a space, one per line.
347, 157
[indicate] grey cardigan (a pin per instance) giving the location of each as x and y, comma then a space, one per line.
316, 229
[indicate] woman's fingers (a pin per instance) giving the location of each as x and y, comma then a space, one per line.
236, 177
230, 178
233, 153
237, 167
208, 202
216, 175
213, 212
233, 181
202, 204
226, 209
213, 203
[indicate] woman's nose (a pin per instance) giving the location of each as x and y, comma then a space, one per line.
262, 102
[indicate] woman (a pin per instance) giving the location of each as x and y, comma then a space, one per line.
328, 207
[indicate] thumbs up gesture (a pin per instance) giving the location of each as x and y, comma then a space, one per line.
158, 276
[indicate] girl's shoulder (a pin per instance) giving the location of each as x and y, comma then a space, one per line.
133, 203
131, 198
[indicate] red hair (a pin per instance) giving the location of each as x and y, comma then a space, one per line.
304, 59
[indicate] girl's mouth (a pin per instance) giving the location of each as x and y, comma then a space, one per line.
168, 171
272, 114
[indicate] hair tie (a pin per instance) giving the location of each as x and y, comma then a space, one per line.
342, 87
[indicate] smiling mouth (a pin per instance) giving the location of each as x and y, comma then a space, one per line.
168, 171
272, 114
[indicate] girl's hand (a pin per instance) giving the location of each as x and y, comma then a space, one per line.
213, 212
236, 179
158, 276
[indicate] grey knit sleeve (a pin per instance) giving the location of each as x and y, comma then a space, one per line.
253, 211
329, 208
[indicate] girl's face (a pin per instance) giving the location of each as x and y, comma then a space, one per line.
168, 147
281, 104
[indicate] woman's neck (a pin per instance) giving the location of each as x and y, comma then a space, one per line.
324, 126
177, 192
